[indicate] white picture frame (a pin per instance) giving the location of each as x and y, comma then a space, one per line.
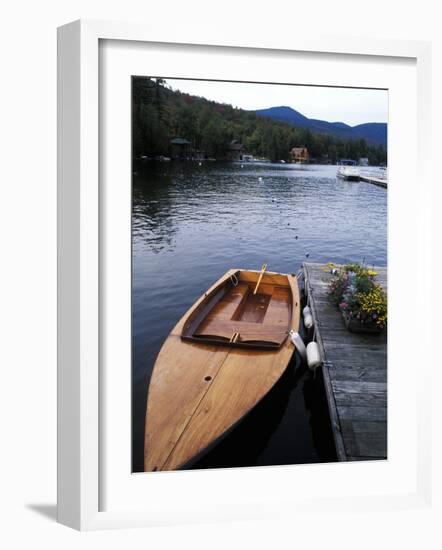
79, 267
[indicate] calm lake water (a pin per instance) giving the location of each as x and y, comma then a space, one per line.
191, 224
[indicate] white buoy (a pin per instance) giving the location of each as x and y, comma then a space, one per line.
313, 356
260, 179
200, 164
308, 317
299, 345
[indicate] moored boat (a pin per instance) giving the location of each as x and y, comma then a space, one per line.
219, 361
349, 173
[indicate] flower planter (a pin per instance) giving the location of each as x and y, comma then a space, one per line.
356, 325
361, 301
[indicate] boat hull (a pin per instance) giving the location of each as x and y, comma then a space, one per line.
199, 391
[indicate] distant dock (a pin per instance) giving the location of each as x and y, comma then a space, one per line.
374, 180
354, 173
354, 372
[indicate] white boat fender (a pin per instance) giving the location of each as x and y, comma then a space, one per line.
308, 317
313, 356
299, 345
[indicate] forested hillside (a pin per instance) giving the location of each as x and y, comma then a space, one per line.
161, 114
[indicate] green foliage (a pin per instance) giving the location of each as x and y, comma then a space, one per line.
160, 114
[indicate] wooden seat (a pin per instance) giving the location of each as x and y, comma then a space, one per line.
247, 331
279, 309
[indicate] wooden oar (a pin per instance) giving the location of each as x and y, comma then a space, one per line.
263, 268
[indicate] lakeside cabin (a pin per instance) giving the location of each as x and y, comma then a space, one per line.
180, 148
235, 151
300, 155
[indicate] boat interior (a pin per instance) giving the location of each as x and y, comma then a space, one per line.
242, 313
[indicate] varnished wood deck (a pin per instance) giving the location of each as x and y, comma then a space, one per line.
355, 373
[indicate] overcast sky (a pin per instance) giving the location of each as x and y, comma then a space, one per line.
351, 106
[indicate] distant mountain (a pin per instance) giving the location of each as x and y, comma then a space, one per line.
285, 114
374, 133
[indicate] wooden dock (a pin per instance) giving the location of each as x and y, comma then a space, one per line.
355, 373
375, 181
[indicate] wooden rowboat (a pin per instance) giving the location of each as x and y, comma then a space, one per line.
219, 361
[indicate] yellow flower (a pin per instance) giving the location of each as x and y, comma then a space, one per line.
374, 302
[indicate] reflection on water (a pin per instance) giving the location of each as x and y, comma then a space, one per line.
192, 223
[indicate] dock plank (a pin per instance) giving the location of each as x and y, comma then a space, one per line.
355, 374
